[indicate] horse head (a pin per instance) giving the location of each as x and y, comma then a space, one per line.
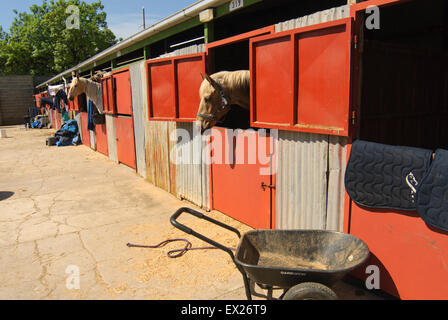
214, 103
77, 87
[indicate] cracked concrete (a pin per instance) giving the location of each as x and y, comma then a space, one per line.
72, 206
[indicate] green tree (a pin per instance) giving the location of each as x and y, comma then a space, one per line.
39, 41
3, 35
3, 41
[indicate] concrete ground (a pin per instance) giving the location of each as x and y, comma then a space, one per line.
71, 211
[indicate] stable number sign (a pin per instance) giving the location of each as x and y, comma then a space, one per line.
236, 4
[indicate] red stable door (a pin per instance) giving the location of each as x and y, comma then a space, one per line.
84, 131
101, 139
300, 79
123, 92
124, 125
173, 87
107, 95
124, 131
242, 176
54, 119
59, 120
411, 256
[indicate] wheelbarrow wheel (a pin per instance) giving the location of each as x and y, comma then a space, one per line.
310, 291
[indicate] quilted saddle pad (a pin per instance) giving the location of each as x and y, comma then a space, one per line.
385, 176
432, 193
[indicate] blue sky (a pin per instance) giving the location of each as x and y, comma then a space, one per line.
124, 17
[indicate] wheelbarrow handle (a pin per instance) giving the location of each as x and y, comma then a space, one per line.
199, 215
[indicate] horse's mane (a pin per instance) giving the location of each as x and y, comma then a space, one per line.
233, 79
230, 80
82, 80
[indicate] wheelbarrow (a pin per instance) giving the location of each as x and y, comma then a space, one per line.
304, 263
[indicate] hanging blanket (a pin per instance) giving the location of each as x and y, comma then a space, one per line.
53, 90
432, 193
384, 176
60, 95
46, 101
91, 111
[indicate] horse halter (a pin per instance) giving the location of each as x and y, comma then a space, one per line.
225, 104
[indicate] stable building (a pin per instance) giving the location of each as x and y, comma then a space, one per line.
323, 74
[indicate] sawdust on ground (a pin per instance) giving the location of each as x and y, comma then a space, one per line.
196, 268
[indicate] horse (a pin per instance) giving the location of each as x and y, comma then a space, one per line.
218, 92
91, 88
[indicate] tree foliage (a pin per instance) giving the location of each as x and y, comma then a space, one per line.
39, 41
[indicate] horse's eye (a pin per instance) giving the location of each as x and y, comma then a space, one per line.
207, 100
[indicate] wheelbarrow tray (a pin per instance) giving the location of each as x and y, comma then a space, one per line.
285, 258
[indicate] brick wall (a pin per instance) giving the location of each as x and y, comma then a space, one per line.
16, 96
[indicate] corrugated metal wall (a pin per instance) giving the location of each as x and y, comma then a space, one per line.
311, 167
160, 169
192, 174
315, 18
192, 179
309, 181
50, 118
111, 138
138, 87
165, 165
205, 168
301, 182
92, 139
78, 121
184, 51
337, 153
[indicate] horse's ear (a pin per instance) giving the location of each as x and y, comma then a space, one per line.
209, 79
212, 82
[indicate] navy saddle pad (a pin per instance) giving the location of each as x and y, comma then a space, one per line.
432, 193
385, 176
